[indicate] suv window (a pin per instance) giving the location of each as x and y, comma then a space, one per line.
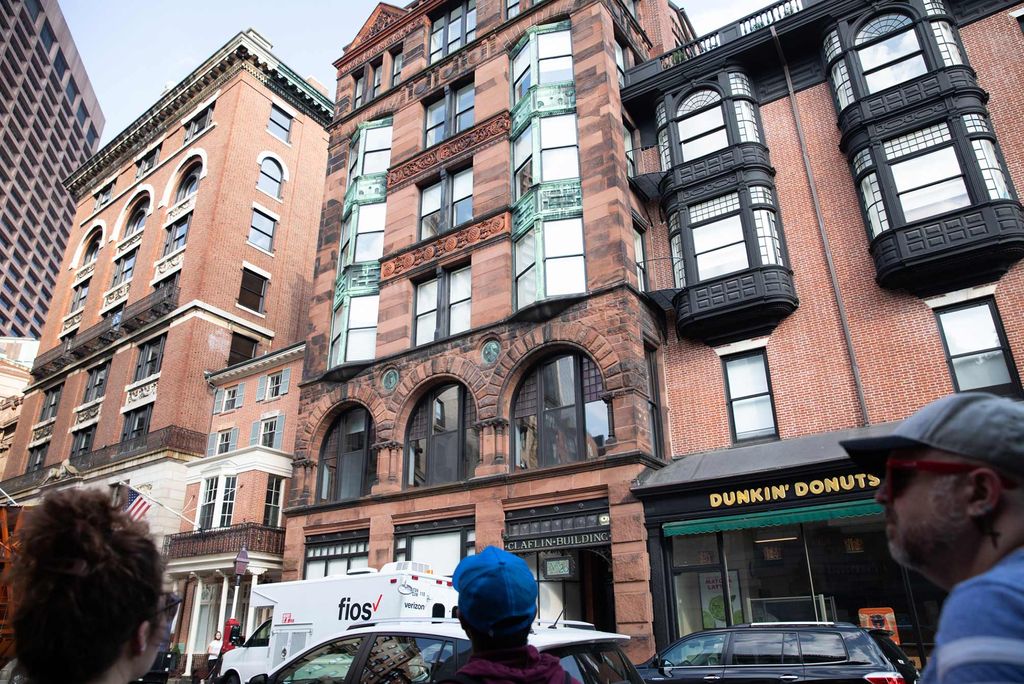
698, 651
261, 637
764, 648
330, 662
404, 658
822, 647
597, 664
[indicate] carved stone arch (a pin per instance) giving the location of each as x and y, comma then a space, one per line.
327, 408
421, 379
129, 206
97, 225
267, 154
187, 160
539, 343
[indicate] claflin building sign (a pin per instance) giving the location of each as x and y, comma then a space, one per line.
793, 490
560, 541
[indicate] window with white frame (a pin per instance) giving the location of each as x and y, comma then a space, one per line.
124, 268
137, 218
452, 28
78, 296
280, 123
443, 305
229, 398
749, 396
336, 554
446, 204
977, 350
639, 254
271, 177
216, 502
208, 503
269, 433
361, 328
450, 114
274, 385
261, 230
272, 502
227, 507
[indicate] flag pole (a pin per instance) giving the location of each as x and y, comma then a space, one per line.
149, 498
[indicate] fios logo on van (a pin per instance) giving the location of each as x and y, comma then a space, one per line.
350, 610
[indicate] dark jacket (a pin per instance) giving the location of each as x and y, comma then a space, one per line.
516, 666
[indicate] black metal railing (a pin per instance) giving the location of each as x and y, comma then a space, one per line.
169, 438
253, 536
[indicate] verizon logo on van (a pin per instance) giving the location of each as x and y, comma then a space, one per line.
350, 610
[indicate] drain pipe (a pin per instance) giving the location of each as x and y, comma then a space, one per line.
794, 107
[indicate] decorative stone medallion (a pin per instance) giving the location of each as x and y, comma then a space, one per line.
490, 351
390, 379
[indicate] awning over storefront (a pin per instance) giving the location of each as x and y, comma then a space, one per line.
847, 509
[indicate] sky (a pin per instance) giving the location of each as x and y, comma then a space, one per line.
132, 49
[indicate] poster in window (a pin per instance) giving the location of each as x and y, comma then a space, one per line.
880, 618
712, 601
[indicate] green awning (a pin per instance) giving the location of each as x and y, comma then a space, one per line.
850, 509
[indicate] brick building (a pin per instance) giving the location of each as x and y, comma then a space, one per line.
189, 255
50, 123
609, 295
837, 183
455, 286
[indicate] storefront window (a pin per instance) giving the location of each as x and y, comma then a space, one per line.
835, 570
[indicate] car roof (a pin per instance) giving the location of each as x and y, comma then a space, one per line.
788, 626
542, 635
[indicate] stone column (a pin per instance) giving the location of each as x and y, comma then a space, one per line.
251, 613
193, 625
224, 586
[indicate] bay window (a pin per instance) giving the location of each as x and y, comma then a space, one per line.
364, 227
889, 51
370, 151
545, 57
558, 268
360, 328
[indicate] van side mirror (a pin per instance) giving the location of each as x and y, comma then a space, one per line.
258, 679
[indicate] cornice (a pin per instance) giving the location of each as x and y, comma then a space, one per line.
271, 360
247, 50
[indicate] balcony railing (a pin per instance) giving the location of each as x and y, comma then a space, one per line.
253, 536
169, 438
22, 482
135, 315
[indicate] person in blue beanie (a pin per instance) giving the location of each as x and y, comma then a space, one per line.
497, 605
952, 478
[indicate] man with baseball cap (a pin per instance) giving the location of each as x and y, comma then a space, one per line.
497, 604
952, 478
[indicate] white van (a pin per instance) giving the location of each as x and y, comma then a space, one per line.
305, 612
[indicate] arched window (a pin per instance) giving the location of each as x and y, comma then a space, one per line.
559, 414
271, 177
442, 444
188, 185
889, 51
701, 124
346, 469
137, 219
92, 249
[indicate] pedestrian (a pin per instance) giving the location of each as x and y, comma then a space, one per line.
213, 654
954, 509
87, 582
497, 605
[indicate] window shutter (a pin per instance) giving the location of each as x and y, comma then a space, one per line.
255, 435
240, 395
279, 432
261, 388
211, 444
233, 443
286, 376
218, 402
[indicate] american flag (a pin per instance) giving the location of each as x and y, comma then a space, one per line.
136, 507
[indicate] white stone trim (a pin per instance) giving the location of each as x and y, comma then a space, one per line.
72, 321
267, 154
256, 269
208, 311
116, 295
144, 381
245, 459
272, 214
144, 189
89, 232
143, 393
250, 311
741, 346
283, 106
127, 245
260, 249
168, 265
960, 296
1018, 13
149, 148
186, 158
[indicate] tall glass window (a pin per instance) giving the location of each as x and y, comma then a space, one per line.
347, 470
749, 395
977, 349
889, 51
442, 443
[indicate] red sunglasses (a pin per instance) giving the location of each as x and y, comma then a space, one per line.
899, 473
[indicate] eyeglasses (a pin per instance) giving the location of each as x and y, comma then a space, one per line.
899, 473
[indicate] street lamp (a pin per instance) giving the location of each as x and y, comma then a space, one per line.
241, 564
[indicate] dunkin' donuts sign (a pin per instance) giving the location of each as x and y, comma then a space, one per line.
801, 489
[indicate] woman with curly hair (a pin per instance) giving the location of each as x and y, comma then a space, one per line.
87, 582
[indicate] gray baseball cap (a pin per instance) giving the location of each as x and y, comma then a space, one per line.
975, 425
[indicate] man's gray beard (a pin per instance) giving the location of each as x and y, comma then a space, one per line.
931, 541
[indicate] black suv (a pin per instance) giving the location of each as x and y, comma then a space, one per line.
781, 652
